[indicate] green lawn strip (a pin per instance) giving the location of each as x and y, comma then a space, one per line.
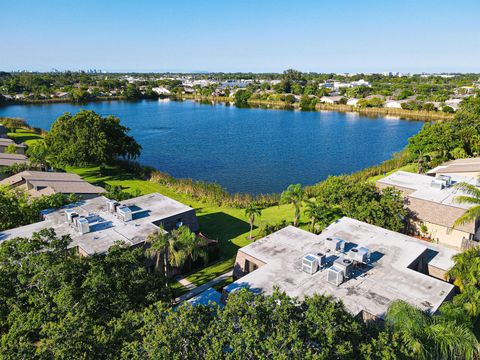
413, 168
227, 225
24, 135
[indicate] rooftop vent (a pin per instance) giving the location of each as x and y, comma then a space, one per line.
311, 263
83, 225
70, 215
334, 244
125, 213
359, 255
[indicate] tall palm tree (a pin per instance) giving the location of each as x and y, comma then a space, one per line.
252, 211
313, 212
472, 197
158, 250
294, 195
432, 337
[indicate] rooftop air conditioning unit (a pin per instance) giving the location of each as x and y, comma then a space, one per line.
335, 276
82, 225
311, 263
334, 244
359, 255
438, 184
445, 178
346, 265
125, 213
70, 215
112, 206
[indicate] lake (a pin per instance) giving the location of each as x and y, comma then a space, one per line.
244, 150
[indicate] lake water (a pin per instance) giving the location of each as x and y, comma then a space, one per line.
244, 150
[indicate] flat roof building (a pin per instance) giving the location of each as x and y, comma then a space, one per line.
38, 183
5, 143
433, 203
10, 159
460, 167
96, 224
390, 267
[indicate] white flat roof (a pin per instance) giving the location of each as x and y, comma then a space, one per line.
106, 228
421, 184
386, 279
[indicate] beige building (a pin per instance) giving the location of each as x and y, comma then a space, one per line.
38, 183
10, 159
460, 167
364, 266
434, 206
5, 143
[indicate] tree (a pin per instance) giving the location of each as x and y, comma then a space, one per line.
471, 197
175, 248
466, 275
432, 337
55, 304
11, 149
241, 97
87, 138
294, 195
16, 209
252, 211
320, 214
37, 154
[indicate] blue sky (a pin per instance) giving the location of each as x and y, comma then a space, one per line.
242, 35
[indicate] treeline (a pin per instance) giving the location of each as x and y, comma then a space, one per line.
55, 304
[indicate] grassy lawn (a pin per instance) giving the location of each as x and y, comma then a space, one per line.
227, 225
23, 135
408, 168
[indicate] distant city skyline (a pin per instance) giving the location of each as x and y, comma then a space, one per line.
371, 36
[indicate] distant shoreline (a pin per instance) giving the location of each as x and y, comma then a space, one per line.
401, 113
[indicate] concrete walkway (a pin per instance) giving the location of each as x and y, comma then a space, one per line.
197, 290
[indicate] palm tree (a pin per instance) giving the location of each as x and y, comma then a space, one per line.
173, 249
294, 195
252, 211
431, 337
472, 197
187, 245
313, 211
158, 250
466, 275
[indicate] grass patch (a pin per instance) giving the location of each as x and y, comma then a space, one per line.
24, 136
227, 225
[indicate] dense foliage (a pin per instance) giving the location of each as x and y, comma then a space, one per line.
55, 304
362, 201
454, 139
16, 209
88, 138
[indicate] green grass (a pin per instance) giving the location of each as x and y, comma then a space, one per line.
227, 225
413, 168
24, 135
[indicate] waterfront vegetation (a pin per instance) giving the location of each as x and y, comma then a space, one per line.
51, 299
